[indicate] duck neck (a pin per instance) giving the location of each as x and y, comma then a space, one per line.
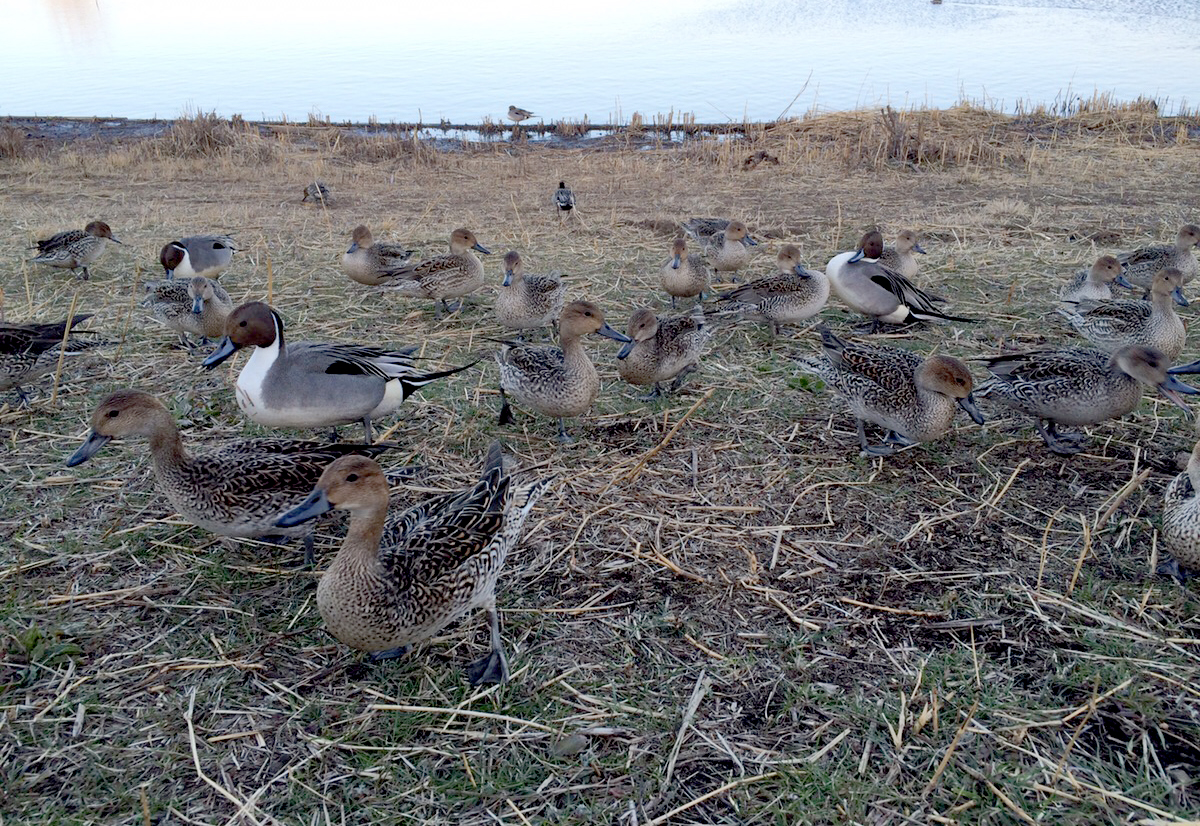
166, 445
361, 546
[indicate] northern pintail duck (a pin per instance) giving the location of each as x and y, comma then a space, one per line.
1079, 387
443, 276
872, 289
914, 399
1094, 283
725, 243
1181, 520
240, 489
317, 192
204, 255
198, 306
28, 351
1114, 324
900, 258
661, 349
400, 579
527, 302
790, 296
683, 275
368, 260
555, 382
309, 384
1142, 264
76, 248
564, 200
516, 114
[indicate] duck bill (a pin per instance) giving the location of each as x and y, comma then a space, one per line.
481, 248
353, 248
800, 271
750, 242
225, 349
1194, 367
918, 248
1177, 294
626, 349
115, 239
508, 276
608, 332
90, 447
858, 256
968, 404
1122, 281
198, 305
1172, 388
675, 262
316, 504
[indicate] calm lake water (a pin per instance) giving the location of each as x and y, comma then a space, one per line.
719, 59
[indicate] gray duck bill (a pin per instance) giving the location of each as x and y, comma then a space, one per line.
968, 404
90, 447
225, 349
608, 332
316, 504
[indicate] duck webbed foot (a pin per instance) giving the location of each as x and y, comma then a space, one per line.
1064, 444
389, 654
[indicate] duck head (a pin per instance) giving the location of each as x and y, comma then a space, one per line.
253, 324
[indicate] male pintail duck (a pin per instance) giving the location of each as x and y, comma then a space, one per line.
203, 255
367, 259
516, 114
900, 258
309, 384
661, 349
564, 200
28, 351
1079, 387
1181, 521
1095, 283
528, 302
400, 579
198, 306
914, 399
726, 243
239, 490
870, 288
1112, 325
1142, 264
790, 296
75, 248
683, 275
443, 276
317, 192
554, 382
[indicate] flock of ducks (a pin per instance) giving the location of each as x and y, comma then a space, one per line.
400, 577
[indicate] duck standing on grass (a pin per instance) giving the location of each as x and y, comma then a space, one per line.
199, 306
564, 200
28, 351
399, 580
1141, 265
367, 260
443, 276
792, 295
725, 243
555, 382
1181, 521
913, 398
318, 193
1112, 325
204, 255
683, 275
311, 384
659, 350
528, 302
238, 490
75, 248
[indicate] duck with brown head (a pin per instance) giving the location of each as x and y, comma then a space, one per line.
662, 349
308, 384
1094, 283
203, 255
444, 276
792, 295
1111, 325
198, 306
683, 275
367, 261
75, 249
1141, 265
527, 301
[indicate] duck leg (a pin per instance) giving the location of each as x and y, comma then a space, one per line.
1171, 567
310, 558
368, 433
389, 654
869, 449
452, 308
506, 414
682, 377
652, 395
494, 667
563, 436
672, 302
894, 438
1067, 444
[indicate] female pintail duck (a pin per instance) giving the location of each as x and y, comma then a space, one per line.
790, 296
554, 382
203, 255
1095, 283
900, 258
75, 248
528, 302
1181, 521
238, 490
1079, 387
309, 384
516, 114
1154, 323
661, 349
725, 243
317, 192
368, 260
564, 200
1142, 264
443, 276
870, 288
683, 275
198, 306
914, 399
400, 579
28, 351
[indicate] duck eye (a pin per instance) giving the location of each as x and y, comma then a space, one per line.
112, 414
353, 477
242, 324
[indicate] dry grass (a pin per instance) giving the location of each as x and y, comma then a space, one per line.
730, 620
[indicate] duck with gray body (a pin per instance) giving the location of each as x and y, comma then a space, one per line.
368, 261
317, 193
310, 384
204, 255
792, 295
1078, 387
28, 351
401, 578
914, 399
662, 349
1094, 283
198, 306
1111, 325
870, 288
564, 200
75, 248
683, 275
